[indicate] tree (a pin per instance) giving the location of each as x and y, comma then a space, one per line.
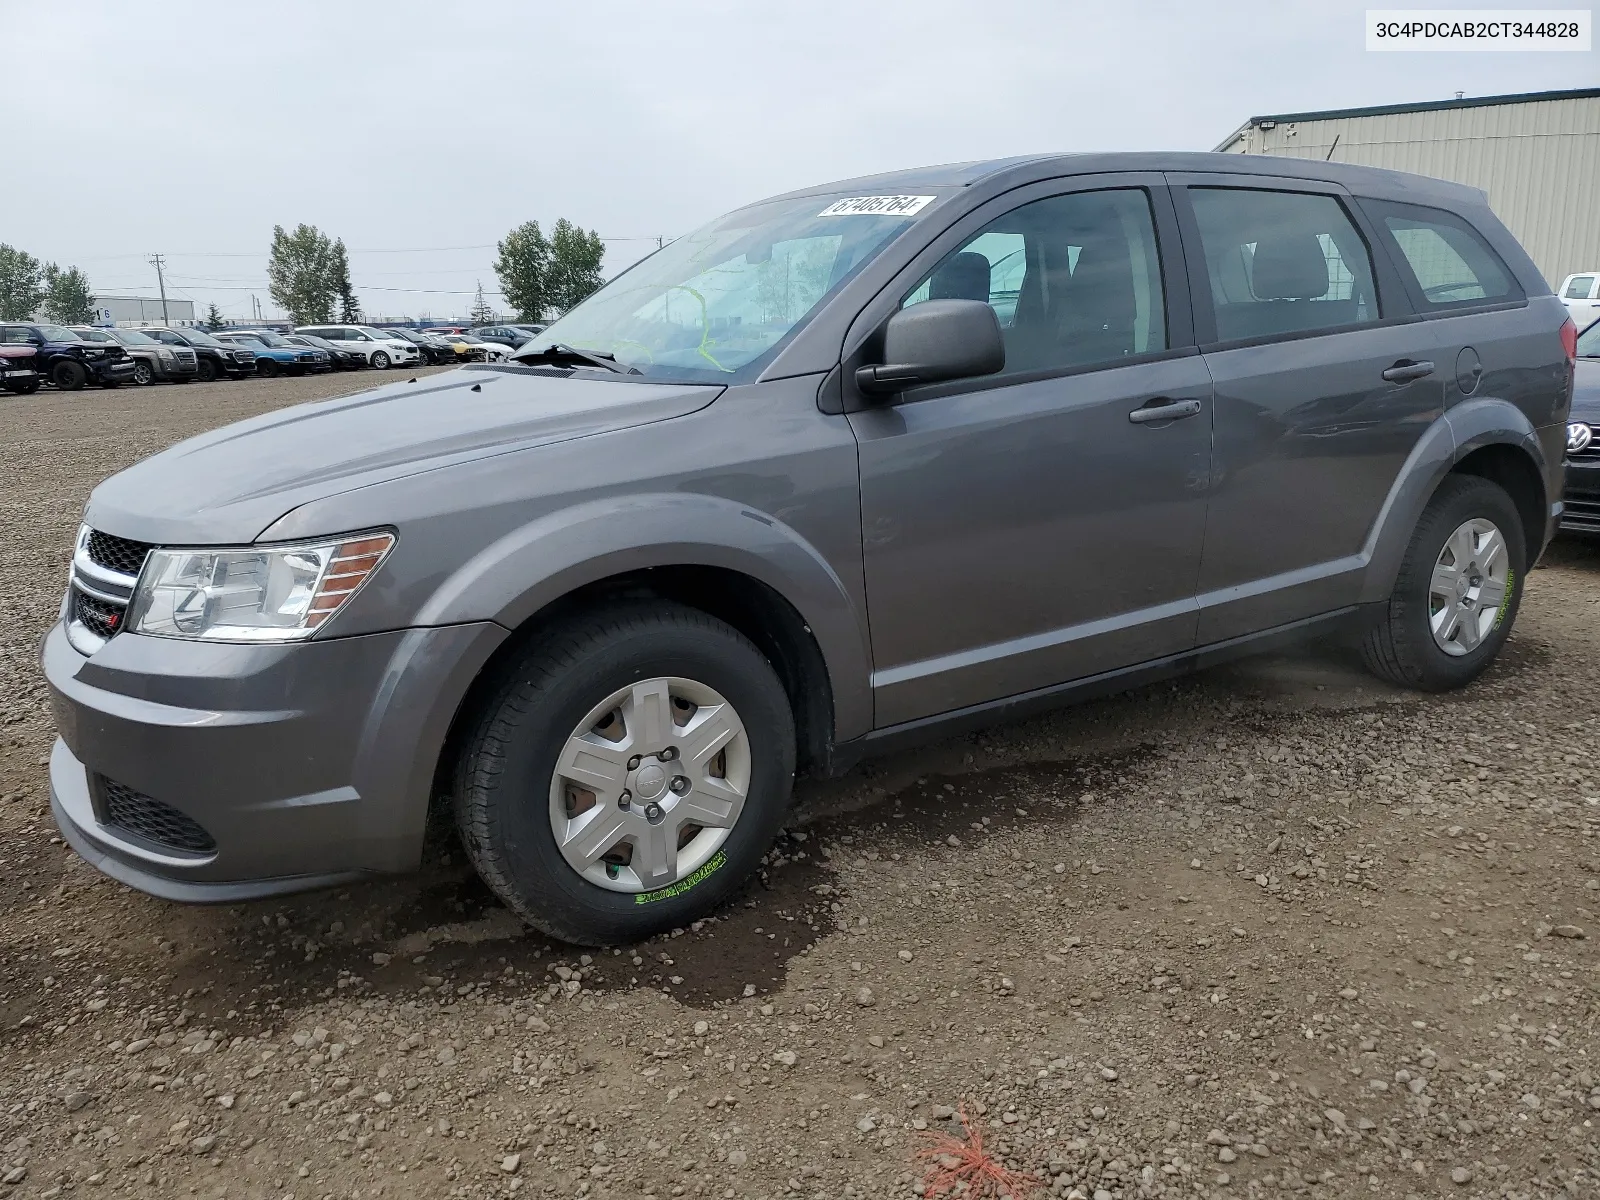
349, 306
22, 288
522, 265
301, 274
575, 258
67, 300
214, 319
481, 313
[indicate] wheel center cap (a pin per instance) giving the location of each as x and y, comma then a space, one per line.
650, 782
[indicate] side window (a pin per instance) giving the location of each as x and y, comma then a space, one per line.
1579, 288
13, 335
1450, 263
1282, 262
1075, 280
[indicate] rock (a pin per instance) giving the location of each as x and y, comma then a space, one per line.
749, 989
1348, 993
905, 956
1460, 1175
1108, 1074
1226, 1155
943, 1112
75, 1100
786, 1057
380, 959
226, 1101
866, 1125
737, 1158
383, 1099
203, 1143
1569, 931
15, 1175
1217, 1138
701, 1028
865, 998
510, 1164
138, 1044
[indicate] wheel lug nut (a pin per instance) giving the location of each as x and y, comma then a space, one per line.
653, 813
680, 784
668, 754
633, 763
625, 800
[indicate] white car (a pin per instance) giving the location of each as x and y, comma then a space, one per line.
1581, 294
382, 350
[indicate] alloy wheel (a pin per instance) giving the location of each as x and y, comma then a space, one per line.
1469, 585
650, 784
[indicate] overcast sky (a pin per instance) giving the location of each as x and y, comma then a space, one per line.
421, 132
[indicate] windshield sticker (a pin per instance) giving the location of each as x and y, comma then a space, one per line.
877, 206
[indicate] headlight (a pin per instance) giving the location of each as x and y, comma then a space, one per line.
252, 593
164, 354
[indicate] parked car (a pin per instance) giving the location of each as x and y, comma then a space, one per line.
476, 349
275, 355
19, 370
433, 350
340, 359
1580, 509
68, 361
506, 335
215, 359
379, 347
151, 360
531, 329
1581, 295
611, 609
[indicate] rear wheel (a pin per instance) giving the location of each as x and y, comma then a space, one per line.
628, 775
68, 375
208, 371
380, 361
1458, 590
142, 374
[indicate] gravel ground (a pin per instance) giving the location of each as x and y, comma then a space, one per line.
1275, 928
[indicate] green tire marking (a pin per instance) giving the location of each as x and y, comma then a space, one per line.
683, 885
1505, 602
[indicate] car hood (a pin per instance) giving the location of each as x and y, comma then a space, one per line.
1586, 391
232, 483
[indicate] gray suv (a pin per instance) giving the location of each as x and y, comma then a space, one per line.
858, 465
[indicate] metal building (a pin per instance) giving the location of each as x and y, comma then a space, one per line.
133, 311
1537, 155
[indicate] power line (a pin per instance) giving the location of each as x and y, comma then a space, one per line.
650, 237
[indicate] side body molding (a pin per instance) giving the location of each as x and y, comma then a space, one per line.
538, 563
1464, 427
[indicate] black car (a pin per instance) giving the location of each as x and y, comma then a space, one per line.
340, 358
1581, 499
217, 359
434, 350
507, 335
68, 361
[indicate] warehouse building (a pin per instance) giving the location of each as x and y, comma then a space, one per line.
1537, 155
130, 312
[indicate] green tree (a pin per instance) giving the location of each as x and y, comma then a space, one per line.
481, 313
522, 265
302, 274
349, 306
575, 258
214, 319
22, 288
67, 300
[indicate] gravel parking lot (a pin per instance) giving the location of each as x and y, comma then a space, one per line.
1275, 928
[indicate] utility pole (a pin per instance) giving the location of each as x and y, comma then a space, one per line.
158, 261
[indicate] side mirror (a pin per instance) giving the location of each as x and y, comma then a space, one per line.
934, 341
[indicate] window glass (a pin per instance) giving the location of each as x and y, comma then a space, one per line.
1282, 262
1580, 287
14, 335
1450, 262
1075, 280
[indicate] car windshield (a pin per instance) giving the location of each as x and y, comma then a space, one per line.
713, 304
132, 337
197, 338
383, 335
1589, 342
58, 333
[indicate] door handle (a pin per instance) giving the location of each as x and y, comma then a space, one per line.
1405, 371
1163, 409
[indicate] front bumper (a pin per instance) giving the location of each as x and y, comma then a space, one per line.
118, 370
1580, 512
303, 765
176, 369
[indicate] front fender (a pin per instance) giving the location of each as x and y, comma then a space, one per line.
515, 577
1465, 427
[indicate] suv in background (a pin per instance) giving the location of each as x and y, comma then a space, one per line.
1070, 423
433, 349
507, 335
68, 361
275, 355
379, 347
339, 359
215, 359
151, 360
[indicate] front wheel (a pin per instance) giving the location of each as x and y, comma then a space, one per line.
266, 368
1458, 590
380, 361
142, 374
629, 773
68, 375
207, 371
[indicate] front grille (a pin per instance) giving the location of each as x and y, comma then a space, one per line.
98, 617
121, 555
148, 818
185, 356
1590, 452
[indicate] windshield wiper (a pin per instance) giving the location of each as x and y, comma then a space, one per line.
588, 358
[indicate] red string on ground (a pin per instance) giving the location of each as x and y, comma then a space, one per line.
955, 1161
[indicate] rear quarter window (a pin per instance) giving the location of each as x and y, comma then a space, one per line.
1446, 263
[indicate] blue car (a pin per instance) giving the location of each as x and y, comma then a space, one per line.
276, 355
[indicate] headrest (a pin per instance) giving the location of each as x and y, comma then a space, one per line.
963, 277
1289, 268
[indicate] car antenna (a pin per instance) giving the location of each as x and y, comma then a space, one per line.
477, 387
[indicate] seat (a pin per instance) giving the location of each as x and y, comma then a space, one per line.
963, 276
1095, 315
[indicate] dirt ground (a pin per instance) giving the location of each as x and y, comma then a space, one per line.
1272, 929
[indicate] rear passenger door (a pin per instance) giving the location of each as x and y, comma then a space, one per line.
1324, 382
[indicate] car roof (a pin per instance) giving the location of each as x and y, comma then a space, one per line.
998, 172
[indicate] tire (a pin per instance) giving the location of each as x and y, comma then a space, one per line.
142, 374
207, 372
68, 375
380, 361
1402, 646
507, 784
23, 389
266, 368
